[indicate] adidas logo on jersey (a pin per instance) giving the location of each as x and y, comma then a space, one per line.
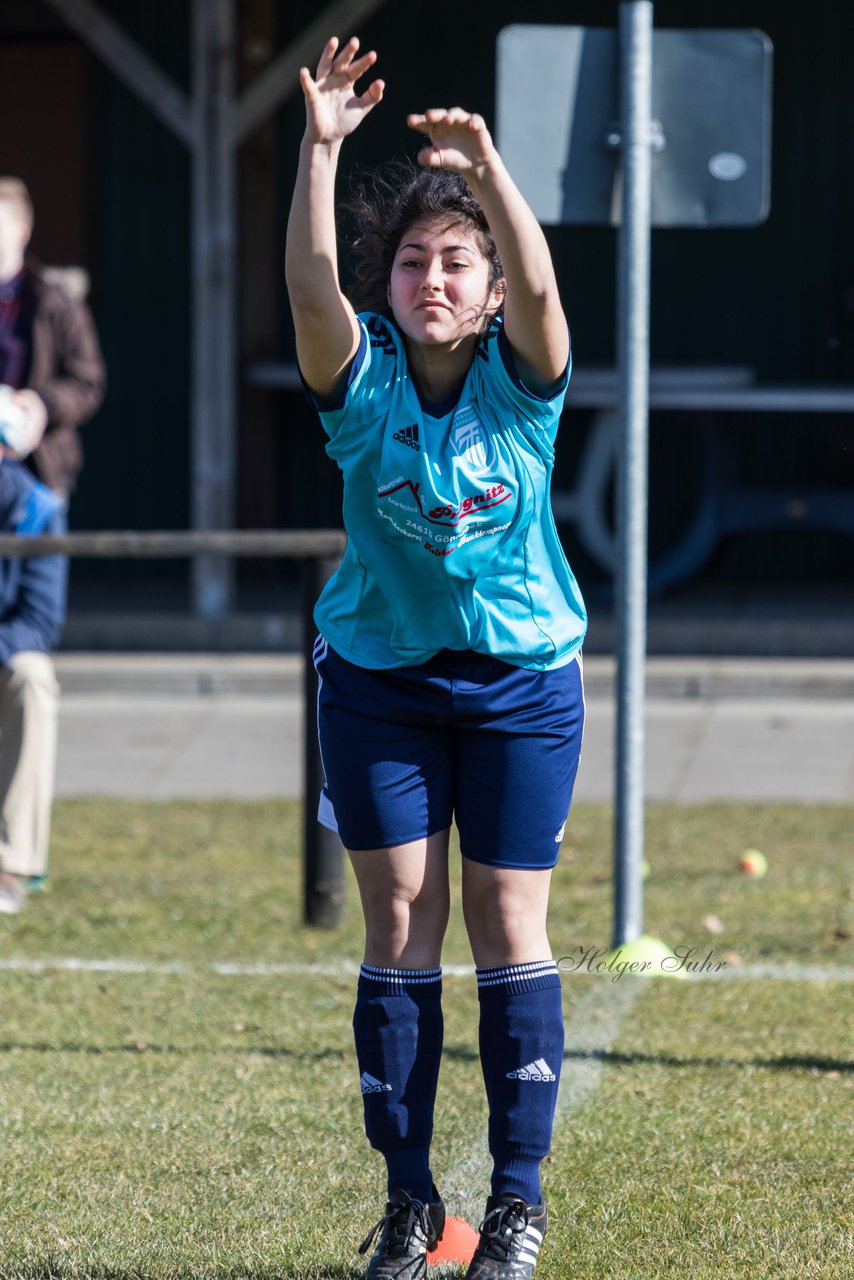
539, 1070
370, 1084
408, 436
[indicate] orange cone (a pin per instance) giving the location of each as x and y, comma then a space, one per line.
458, 1243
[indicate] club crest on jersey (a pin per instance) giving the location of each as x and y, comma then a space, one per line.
469, 440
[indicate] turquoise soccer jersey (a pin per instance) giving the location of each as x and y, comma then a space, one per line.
451, 539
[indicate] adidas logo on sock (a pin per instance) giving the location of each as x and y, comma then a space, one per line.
370, 1084
539, 1070
408, 435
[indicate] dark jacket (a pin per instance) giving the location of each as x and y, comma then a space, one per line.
67, 370
32, 589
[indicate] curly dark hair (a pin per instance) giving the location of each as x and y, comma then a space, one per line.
388, 201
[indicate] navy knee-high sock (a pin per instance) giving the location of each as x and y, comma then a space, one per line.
398, 1030
521, 1050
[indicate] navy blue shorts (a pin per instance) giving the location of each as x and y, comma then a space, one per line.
462, 736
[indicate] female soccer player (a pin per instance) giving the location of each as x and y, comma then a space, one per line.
450, 636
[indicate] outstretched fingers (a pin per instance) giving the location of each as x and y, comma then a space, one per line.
342, 61
334, 105
327, 58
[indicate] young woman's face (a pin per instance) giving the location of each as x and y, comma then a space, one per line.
439, 285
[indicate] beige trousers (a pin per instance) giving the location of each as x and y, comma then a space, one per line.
29, 718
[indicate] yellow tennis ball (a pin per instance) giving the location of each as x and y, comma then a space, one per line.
753, 863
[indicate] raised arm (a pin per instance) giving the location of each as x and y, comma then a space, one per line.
326, 329
533, 317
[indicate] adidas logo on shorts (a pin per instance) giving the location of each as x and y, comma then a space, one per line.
408, 436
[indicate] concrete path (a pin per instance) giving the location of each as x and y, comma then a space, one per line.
160, 726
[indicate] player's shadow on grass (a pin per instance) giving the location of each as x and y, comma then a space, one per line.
459, 1053
188, 1050
786, 1062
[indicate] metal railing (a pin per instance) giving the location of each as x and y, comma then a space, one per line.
318, 552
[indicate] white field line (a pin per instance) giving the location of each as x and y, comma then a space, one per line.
350, 969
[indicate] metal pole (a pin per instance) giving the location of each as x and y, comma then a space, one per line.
635, 31
323, 870
214, 267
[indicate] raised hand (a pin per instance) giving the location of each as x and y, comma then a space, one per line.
457, 140
333, 108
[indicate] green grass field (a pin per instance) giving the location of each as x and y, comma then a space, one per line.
176, 1120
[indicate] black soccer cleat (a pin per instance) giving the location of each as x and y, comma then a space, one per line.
510, 1237
406, 1231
